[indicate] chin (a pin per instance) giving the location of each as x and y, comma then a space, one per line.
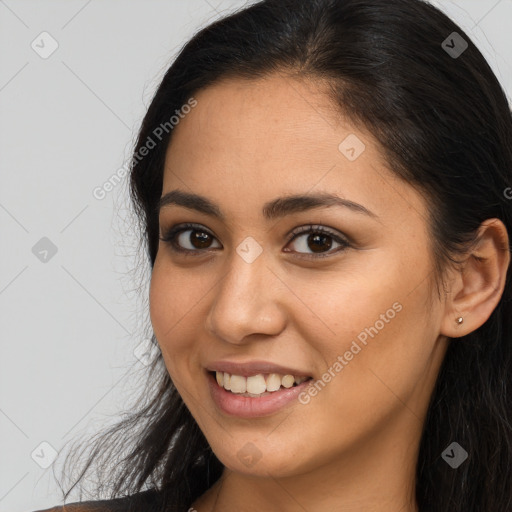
262, 456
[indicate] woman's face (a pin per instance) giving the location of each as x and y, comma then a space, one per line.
258, 290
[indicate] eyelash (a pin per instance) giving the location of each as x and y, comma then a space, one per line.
171, 234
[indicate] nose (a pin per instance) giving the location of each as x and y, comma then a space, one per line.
248, 300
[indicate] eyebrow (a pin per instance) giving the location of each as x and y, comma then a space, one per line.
274, 209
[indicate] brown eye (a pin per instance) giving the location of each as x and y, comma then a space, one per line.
313, 240
319, 242
188, 238
197, 239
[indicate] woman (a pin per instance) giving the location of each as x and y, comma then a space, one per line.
324, 192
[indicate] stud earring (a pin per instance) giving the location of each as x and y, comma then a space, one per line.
460, 320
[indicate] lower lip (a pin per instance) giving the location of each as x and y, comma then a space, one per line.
248, 407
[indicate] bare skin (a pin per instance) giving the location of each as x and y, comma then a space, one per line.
353, 446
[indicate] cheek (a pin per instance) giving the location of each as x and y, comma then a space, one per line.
161, 305
169, 310
351, 304
373, 335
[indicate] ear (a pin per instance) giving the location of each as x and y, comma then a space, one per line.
478, 285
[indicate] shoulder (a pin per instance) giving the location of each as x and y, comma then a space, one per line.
145, 501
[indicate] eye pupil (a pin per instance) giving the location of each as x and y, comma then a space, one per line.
318, 246
201, 238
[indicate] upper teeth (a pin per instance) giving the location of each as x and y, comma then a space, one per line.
256, 384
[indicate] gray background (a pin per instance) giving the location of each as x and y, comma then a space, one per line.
72, 322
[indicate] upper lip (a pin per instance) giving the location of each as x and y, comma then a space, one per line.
250, 368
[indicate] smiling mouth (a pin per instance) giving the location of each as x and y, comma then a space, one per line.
258, 385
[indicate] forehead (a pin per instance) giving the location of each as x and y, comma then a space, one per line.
253, 112
261, 126
278, 135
